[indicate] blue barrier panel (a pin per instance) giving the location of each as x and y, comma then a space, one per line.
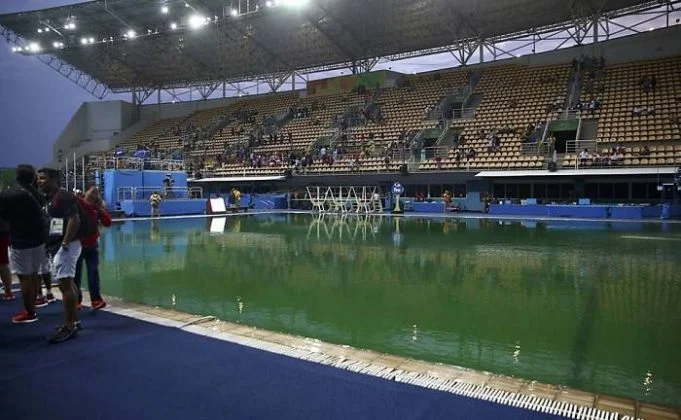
594, 212
167, 208
425, 207
653, 212
626, 212
517, 210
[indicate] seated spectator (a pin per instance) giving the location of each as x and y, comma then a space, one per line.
470, 154
636, 112
645, 151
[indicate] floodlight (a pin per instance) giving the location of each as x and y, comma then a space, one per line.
40, 30
268, 3
173, 26
55, 44
294, 3
164, 9
15, 49
47, 29
186, 5
196, 21
131, 34
234, 12
91, 40
34, 47
83, 41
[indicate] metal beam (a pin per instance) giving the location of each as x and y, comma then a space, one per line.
83, 80
337, 45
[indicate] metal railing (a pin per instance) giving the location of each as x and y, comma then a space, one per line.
103, 162
576, 146
168, 193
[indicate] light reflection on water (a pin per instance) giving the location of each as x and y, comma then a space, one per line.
583, 304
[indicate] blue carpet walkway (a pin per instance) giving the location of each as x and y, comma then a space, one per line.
120, 367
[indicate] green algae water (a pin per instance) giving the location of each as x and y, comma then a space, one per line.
595, 306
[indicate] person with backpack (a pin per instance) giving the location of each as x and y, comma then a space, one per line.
68, 224
22, 208
93, 205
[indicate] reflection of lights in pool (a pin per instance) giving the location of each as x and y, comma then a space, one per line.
648, 382
172, 299
516, 353
415, 333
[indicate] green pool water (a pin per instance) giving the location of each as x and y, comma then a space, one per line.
595, 306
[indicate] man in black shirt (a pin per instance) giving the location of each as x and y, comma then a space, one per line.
22, 208
63, 244
5, 274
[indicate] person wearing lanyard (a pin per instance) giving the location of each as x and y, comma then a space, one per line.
64, 245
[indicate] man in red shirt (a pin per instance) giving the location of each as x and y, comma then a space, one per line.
90, 253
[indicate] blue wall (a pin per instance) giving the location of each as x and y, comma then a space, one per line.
115, 179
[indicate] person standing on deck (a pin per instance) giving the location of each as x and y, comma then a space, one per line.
63, 244
90, 253
155, 201
5, 273
22, 208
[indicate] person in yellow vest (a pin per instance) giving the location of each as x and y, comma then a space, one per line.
155, 201
447, 198
236, 199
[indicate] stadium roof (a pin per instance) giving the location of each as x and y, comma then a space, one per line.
134, 43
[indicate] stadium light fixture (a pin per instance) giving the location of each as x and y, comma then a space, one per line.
234, 12
55, 44
83, 41
131, 34
173, 26
294, 3
46, 29
15, 49
165, 9
196, 21
91, 40
40, 30
268, 3
34, 47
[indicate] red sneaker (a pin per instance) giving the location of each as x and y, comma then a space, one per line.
24, 317
40, 302
98, 304
50, 298
8, 296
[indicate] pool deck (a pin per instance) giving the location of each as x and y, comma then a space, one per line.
528, 394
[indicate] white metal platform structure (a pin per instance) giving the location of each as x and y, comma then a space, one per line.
364, 199
344, 226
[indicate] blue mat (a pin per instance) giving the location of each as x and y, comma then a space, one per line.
120, 367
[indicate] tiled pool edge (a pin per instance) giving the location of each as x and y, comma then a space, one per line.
531, 395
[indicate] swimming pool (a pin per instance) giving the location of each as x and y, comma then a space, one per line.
590, 305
